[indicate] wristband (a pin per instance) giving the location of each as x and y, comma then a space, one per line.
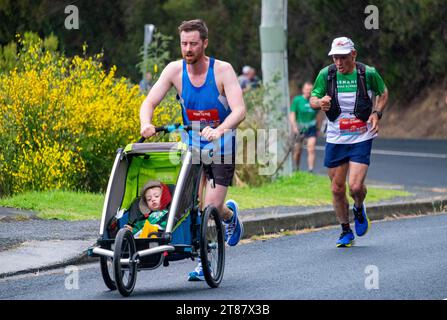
379, 114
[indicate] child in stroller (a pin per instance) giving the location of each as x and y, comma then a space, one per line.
153, 203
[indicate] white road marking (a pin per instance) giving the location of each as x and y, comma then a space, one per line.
402, 154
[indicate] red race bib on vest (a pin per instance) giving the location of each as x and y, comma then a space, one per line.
208, 117
352, 127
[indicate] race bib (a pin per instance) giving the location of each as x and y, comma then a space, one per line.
352, 127
206, 117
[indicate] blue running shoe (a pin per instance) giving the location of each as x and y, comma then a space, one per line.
361, 221
234, 229
197, 274
346, 239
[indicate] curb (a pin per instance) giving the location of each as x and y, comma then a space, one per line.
323, 218
277, 222
81, 259
12, 214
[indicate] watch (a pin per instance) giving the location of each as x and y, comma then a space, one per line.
379, 114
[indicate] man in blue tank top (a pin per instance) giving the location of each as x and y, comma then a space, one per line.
209, 93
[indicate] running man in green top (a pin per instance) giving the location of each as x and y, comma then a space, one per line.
345, 91
304, 123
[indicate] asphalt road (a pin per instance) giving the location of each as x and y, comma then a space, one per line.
411, 163
400, 259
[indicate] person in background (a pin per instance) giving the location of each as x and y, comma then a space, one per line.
146, 83
248, 79
303, 120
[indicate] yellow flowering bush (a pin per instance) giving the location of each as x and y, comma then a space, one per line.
62, 120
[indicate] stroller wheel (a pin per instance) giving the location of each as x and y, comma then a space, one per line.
125, 271
212, 247
106, 264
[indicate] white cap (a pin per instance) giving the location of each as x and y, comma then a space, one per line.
341, 45
246, 69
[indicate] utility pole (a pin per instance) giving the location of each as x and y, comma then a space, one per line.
273, 35
148, 32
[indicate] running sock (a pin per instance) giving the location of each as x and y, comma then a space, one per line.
345, 227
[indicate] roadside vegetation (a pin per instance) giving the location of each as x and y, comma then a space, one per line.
408, 48
62, 119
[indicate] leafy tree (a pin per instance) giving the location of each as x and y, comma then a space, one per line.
409, 48
157, 55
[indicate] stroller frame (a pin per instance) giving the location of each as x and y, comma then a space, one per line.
204, 240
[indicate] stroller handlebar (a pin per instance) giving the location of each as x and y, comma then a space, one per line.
171, 128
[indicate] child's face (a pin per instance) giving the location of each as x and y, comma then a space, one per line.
153, 196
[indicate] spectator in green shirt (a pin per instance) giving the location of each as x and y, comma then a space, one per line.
303, 121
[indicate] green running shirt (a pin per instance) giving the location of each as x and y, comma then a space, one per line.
306, 117
347, 129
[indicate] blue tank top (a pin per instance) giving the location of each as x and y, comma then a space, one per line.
205, 105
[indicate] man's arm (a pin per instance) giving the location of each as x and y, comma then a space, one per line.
320, 118
314, 103
319, 100
320, 104
292, 116
235, 99
153, 99
380, 106
293, 123
381, 101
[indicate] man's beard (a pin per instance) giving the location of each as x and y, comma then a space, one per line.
193, 61
192, 58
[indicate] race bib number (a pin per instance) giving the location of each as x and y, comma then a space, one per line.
206, 117
352, 127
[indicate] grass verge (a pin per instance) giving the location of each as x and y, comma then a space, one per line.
301, 189
62, 205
